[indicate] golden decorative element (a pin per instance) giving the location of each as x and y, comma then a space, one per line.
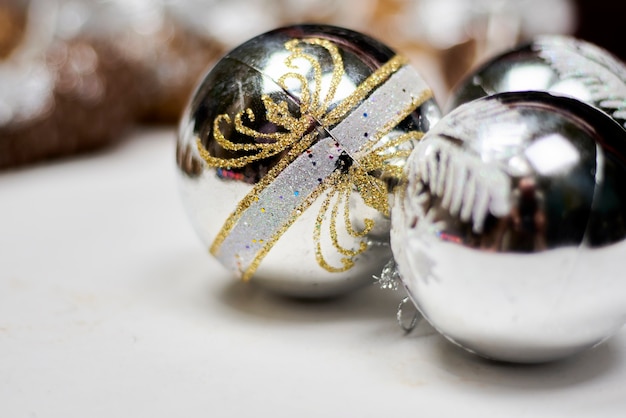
372, 190
297, 136
311, 109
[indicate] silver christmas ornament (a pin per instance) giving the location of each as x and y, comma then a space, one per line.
511, 230
557, 64
289, 150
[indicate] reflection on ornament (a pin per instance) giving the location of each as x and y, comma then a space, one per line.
302, 133
511, 226
557, 64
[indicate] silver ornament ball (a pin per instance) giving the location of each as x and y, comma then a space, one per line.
553, 63
288, 153
511, 230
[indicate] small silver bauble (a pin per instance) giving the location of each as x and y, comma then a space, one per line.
511, 231
288, 152
557, 64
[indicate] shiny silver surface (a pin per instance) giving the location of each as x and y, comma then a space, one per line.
332, 174
511, 232
557, 64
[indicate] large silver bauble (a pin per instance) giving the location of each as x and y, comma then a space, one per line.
557, 64
511, 231
288, 153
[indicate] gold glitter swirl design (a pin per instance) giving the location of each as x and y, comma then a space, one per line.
276, 113
313, 105
296, 136
312, 108
372, 190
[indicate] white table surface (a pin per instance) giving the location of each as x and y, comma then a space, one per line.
111, 307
